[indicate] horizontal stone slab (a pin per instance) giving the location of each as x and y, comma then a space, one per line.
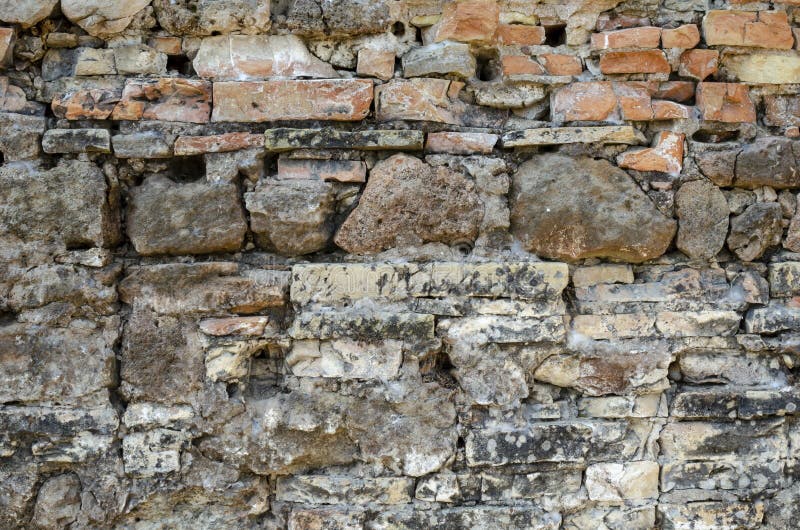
251, 101
328, 283
289, 139
345, 359
335, 170
364, 325
220, 143
615, 134
63, 141
343, 489
506, 330
772, 319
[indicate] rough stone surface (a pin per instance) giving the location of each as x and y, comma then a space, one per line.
399, 264
391, 212
611, 217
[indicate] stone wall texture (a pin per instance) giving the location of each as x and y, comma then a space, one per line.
399, 264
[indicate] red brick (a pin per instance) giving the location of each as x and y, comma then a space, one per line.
726, 102
520, 34
336, 170
766, 29
165, 99
680, 91
520, 65
375, 63
634, 101
556, 64
586, 101
685, 37
726, 27
222, 143
635, 62
698, 64
669, 110
457, 143
419, 99
666, 156
468, 21
647, 37
260, 101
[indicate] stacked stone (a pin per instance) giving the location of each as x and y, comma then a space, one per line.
378, 264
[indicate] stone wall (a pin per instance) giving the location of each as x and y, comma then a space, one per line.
399, 264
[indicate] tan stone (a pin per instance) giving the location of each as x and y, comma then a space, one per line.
606, 273
25, 12
726, 102
461, 143
222, 143
619, 482
6, 46
468, 21
620, 326
684, 37
645, 37
335, 100
243, 326
635, 62
167, 99
376, 63
252, 57
764, 68
612, 134
102, 17
698, 64
665, 156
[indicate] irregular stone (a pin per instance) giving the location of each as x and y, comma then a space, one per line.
520, 35
781, 110
165, 99
440, 58
442, 487
345, 359
697, 323
209, 17
102, 18
613, 134
620, 482
139, 59
25, 12
620, 406
702, 219
329, 170
666, 156
194, 218
151, 453
376, 63
343, 18
337, 100
61, 141
772, 319
55, 364
763, 68
559, 225
70, 203
58, 502
461, 143
606, 273
7, 38
694, 440
755, 230
373, 140
507, 517
713, 515
363, 325
141, 145
212, 287
725, 102
253, 57
291, 217
784, 279
148, 415
390, 214
718, 166
767, 162
342, 489
764, 29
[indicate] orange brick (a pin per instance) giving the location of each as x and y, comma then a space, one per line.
221, 143
520, 34
666, 156
587, 101
725, 102
468, 21
686, 36
166, 99
374, 63
675, 91
335, 170
669, 110
636, 62
767, 29
634, 101
556, 64
521, 65
726, 27
646, 37
699, 64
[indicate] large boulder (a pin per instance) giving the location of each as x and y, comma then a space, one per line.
408, 202
577, 207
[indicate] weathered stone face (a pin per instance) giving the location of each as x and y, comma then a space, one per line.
209, 17
102, 19
609, 217
391, 212
702, 219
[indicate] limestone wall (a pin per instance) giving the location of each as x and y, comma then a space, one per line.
399, 264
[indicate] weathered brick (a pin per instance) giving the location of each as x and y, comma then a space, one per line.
556, 64
765, 29
461, 143
336, 100
167, 99
646, 37
376, 63
684, 37
726, 102
634, 62
468, 21
335, 170
698, 64
666, 156
222, 143
520, 34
